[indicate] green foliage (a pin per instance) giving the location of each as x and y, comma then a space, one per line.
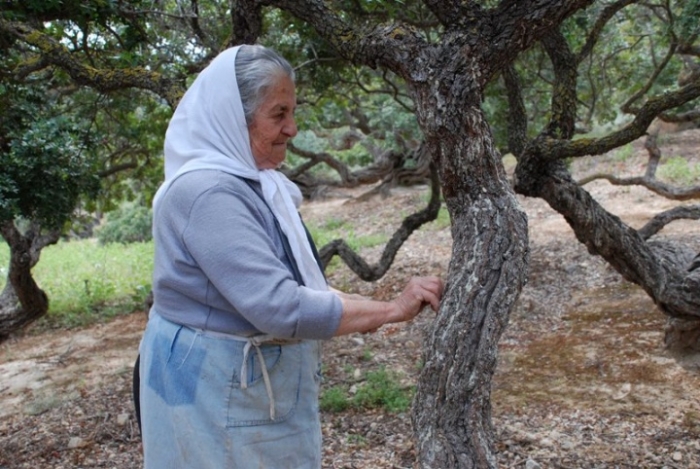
339, 229
88, 282
130, 223
677, 170
622, 154
688, 25
334, 399
46, 161
630, 48
381, 389
132, 136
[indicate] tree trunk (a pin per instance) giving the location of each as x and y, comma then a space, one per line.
22, 301
488, 268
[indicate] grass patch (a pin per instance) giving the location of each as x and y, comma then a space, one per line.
338, 229
87, 282
383, 390
677, 170
442, 221
334, 399
380, 390
623, 153
333, 229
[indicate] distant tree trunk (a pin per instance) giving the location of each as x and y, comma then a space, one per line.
22, 301
488, 268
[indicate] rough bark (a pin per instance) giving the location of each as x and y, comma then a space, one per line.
488, 267
22, 301
606, 235
452, 410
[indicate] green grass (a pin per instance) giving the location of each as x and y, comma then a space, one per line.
338, 229
678, 171
334, 399
333, 229
87, 282
383, 390
623, 153
380, 390
443, 219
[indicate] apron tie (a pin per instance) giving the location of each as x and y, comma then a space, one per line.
257, 341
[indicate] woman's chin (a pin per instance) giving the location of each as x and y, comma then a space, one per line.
272, 163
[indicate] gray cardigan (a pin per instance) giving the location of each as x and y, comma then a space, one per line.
220, 264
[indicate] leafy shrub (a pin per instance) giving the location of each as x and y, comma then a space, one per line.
45, 159
130, 223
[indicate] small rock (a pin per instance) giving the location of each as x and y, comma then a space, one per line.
530, 464
677, 456
76, 442
357, 373
567, 445
358, 340
122, 419
624, 392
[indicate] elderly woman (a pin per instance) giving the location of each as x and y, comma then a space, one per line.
230, 357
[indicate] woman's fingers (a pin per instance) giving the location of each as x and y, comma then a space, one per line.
419, 292
432, 288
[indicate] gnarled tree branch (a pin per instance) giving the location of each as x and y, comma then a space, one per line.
411, 223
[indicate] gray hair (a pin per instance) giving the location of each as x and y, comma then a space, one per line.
257, 69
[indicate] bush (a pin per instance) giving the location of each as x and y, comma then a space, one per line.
130, 223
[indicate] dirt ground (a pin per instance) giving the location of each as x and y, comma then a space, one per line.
583, 380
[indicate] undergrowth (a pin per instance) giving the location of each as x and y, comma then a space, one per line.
87, 282
380, 389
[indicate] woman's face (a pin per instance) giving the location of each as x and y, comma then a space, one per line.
273, 124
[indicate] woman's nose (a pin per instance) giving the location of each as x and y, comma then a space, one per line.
290, 128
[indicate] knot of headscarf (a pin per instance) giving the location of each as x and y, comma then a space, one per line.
208, 131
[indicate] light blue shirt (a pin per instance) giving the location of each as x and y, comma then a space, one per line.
220, 264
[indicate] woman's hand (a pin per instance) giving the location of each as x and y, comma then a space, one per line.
419, 292
365, 315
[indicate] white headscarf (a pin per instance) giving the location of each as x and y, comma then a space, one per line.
208, 131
